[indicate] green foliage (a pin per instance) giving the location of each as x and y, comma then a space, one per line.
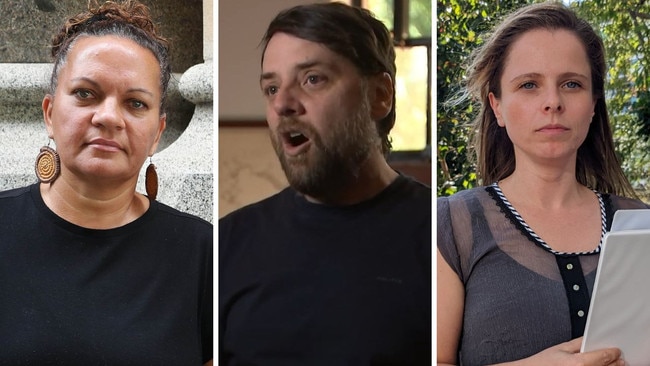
460, 24
624, 26
419, 16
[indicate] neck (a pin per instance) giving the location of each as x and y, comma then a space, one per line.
544, 190
374, 176
92, 207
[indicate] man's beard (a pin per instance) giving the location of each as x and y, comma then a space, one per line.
334, 159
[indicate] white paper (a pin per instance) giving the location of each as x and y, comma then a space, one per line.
619, 313
631, 220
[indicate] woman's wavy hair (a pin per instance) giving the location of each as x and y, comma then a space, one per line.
127, 19
597, 165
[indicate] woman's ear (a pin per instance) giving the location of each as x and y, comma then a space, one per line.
495, 103
381, 95
48, 105
162, 124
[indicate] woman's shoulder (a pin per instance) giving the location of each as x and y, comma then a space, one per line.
16, 200
627, 203
14, 192
464, 195
461, 203
172, 214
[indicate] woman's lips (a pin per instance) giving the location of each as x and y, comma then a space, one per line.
105, 144
553, 129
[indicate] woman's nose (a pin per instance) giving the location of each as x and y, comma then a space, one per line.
553, 102
108, 114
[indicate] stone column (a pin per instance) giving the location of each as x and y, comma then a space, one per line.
185, 167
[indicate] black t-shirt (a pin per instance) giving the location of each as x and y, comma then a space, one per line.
309, 284
140, 294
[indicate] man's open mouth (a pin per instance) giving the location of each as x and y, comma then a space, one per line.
296, 139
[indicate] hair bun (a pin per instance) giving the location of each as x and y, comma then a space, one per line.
128, 12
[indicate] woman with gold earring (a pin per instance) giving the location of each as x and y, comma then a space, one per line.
91, 270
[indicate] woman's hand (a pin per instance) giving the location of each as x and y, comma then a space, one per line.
568, 354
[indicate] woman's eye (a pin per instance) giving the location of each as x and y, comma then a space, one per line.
528, 85
572, 85
83, 93
138, 104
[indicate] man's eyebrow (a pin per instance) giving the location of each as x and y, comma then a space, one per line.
298, 67
267, 76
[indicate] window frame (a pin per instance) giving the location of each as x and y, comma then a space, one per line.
401, 39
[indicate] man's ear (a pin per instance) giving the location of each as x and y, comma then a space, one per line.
47, 106
381, 95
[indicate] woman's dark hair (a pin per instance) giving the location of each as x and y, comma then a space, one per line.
351, 32
597, 165
127, 19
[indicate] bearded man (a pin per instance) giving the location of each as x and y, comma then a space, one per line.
336, 268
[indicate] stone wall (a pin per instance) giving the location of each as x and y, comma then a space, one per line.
26, 28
